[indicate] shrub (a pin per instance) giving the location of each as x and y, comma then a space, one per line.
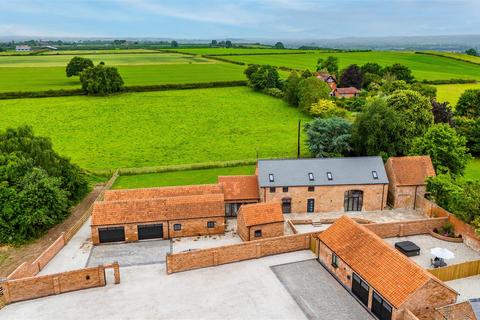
263, 77
101, 80
328, 137
274, 92
400, 72
469, 104
470, 129
77, 65
310, 91
326, 109
290, 89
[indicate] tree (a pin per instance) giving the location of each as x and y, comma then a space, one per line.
378, 130
279, 45
470, 129
251, 69
228, 44
77, 65
101, 80
415, 111
263, 77
425, 89
400, 72
328, 137
174, 44
369, 78
469, 104
471, 52
352, 76
326, 109
213, 43
446, 148
442, 113
310, 90
373, 68
390, 85
290, 89
330, 64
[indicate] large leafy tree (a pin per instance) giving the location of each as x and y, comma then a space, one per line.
378, 130
263, 77
101, 80
290, 89
471, 52
469, 104
470, 129
310, 91
77, 65
352, 76
400, 72
373, 68
328, 137
446, 148
442, 113
330, 65
279, 45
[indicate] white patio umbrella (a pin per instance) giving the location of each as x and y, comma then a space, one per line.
442, 253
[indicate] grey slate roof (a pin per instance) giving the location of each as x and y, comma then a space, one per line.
475, 303
345, 171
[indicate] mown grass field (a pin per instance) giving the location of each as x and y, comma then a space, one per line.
219, 51
161, 128
79, 52
452, 92
473, 170
423, 66
461, 56
178, 178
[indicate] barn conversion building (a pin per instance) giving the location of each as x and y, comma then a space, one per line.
259, 221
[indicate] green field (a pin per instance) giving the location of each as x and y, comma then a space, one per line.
179, 178
218, 51
461, 56
161, 128
473, 170
423, 66
79, 52
452, 92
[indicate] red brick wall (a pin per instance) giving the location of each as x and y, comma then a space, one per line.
405, 228
328, 198
24, 270
458, 311
268, 230
183, 261
150, 193
37, 287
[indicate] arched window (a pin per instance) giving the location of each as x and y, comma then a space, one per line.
353, 200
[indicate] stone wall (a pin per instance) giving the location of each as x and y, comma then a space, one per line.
203, 258
328, 198
405, 228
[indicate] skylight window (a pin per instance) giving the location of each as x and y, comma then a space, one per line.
375, 175
271, 178
329, 176
310, 177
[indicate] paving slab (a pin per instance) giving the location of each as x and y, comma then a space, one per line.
318, 293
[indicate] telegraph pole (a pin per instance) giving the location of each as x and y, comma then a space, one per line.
298, 139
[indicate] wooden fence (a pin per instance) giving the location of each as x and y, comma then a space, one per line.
457, 271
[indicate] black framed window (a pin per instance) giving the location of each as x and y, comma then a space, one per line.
271, 178
310, 177
311, 189
177, 227
258, 233
334, 260
329, 176
272, 189
211, 224
375, 175
285, 189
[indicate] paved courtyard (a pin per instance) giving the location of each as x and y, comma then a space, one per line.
243, 290
469, 288
317, 292
130, 254
426, 242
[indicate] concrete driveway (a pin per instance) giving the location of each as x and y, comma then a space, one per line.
130, 254
318, 293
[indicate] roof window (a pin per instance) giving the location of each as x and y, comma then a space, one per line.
310, 177
271, 178
375, 175
329, 176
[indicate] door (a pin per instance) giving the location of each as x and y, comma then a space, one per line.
353, 200
381, 308
111, 234
150, 231
231, 209
310, 205
360, 289
287, 205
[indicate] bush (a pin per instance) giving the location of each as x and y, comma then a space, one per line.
263, 77
470, 129
326, 109
328, 137
290, 89
274, 92
77, 65
356, 105
400, 72
310, 91
450, 81
101, 80
469, 104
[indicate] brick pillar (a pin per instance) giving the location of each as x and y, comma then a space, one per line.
64, 239
56, 285
116, 272
258, 250
6, 292
215, 258
307, 242
401, 230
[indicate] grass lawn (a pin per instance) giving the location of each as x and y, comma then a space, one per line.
473, 170
452, 92
218, 51
53, 78
161, 128
178, 178
462, 56
423, 66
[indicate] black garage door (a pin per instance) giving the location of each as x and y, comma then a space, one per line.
111, 234
150, 231
381, 308
360, 288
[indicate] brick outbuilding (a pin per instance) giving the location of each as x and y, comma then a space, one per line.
382, 278
407, 179
238, 190
260, 220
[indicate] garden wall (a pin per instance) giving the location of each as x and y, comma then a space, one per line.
405, 228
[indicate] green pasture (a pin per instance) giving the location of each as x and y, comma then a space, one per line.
219, 51
179, 178
423, 66
461, 56
53, 78
452, 92
161, 128
80, 52
473, 170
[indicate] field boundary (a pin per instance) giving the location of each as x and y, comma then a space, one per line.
457, 271
444, 56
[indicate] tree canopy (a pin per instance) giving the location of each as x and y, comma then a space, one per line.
471, 52
77, 65
330, 65
263, 77
400, 72
290, 89
279, 45
469, 104
352, 76
101, 80
328, 137
310, 91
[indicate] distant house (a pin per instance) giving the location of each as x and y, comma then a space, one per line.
328, 78
407, 179
382, 278
22, 48
350, 92
50, 48
260, 220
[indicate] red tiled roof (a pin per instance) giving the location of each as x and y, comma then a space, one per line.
260, 213
349, 90
389, 272
411, 171
150, 193
239, 187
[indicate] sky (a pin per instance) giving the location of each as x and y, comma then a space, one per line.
238, 19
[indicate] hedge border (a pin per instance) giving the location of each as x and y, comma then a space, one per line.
444, 56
